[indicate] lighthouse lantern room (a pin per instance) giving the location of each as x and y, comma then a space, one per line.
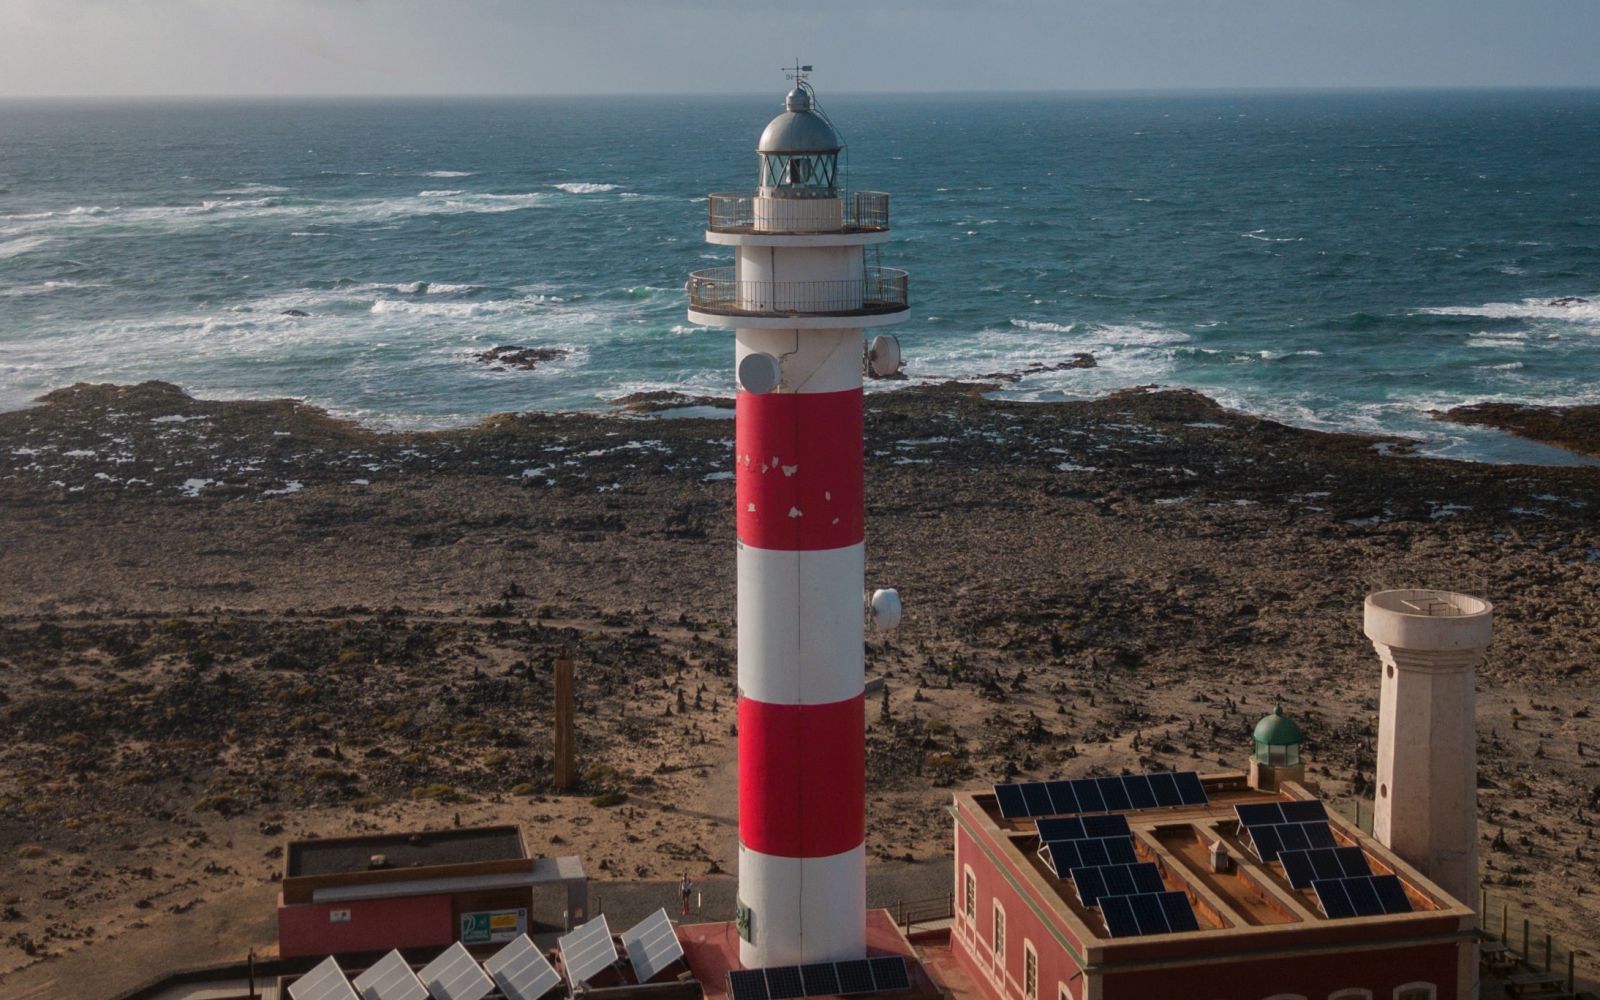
798, 296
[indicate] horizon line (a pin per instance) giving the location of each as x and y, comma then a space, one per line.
1011, 92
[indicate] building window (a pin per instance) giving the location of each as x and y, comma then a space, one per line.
1416, 991
969, 899
1062, 993
999, 940
1030, 971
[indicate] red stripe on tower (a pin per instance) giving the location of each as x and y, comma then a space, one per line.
802, 777
798, 469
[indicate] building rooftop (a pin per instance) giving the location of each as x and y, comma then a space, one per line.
343, 855
1250, 899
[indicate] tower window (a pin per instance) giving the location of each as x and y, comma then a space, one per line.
1030, 972
969, 899
999, 932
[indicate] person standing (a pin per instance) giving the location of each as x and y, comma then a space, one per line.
685, 890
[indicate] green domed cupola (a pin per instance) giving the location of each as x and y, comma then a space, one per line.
1278, 740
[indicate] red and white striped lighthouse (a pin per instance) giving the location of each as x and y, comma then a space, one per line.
798, 297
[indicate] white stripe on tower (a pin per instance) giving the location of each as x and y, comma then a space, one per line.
802, 766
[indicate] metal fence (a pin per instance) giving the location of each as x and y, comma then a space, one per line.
862, 211
878, 290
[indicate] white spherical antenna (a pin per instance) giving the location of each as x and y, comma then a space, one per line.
759, 373
884, 355
886, 609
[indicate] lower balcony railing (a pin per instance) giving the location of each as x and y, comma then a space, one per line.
878, 290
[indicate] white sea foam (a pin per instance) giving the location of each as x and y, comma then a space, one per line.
585, 187
448, 173
447, 193
16, 248
1260, 234
1586, 312
252, 188
42, 288
1499, 341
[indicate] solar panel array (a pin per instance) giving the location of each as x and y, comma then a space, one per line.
1305, 867
1148, 913
1020, 800
390, 979
1066, 855
1116, 880
588, 951
456, 975
521, 970
324, 982
652, 945
789, 982
1363, 896
1275, 827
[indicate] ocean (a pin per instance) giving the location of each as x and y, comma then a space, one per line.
1340, 261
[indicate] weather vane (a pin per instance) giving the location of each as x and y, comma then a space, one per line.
798, 73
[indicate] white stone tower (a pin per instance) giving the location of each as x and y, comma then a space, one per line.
798, 296
1431, 643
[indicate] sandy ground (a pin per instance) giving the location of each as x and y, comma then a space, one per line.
223, 625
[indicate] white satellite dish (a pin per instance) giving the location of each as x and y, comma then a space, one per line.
759, 373
884, 355
886, 609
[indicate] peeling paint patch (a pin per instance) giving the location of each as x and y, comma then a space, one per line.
794, 511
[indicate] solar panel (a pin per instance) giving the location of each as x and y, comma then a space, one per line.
1363, 896
1180, 912
324, 982
1064, 857
1148, 913
1319, 834
1292, 838
1166, 790
1298, 868
1062, 799
1190, 789
784, 983
1115, 880
821, 979
747, 984
854, 977
1353, 861
1063, 828
1255, 814
1139, 792
1114, 794
1009, 798
889, 973
1266, 842
390, 979
1037, 799
1089, 798
1106, 826
1120, 921
1093, 853
1391, 893
588, 951
1308, 811
456, 975
521, 970
652, 945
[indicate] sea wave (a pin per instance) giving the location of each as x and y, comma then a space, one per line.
42, 288
252, 188
16, 248
449, 173
1571, 309
585, 187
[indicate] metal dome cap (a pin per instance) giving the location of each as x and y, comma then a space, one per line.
800, 129
1278, 729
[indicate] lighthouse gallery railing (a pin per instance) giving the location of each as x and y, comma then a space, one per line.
878, 290
863, 211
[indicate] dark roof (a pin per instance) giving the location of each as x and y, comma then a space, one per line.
405, 850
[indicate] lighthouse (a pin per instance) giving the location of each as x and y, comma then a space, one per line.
799, 296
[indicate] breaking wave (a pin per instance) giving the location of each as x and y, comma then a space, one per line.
585, 187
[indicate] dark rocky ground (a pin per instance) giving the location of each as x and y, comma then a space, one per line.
222, 624
1576, 428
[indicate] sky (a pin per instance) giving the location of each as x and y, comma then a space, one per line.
449, 47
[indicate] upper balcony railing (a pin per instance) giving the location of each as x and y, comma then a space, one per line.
862, 212
879, 290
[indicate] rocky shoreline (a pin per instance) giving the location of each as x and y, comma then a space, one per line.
1576, 428
227, 623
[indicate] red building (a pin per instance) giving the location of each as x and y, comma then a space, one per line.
1022, 932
